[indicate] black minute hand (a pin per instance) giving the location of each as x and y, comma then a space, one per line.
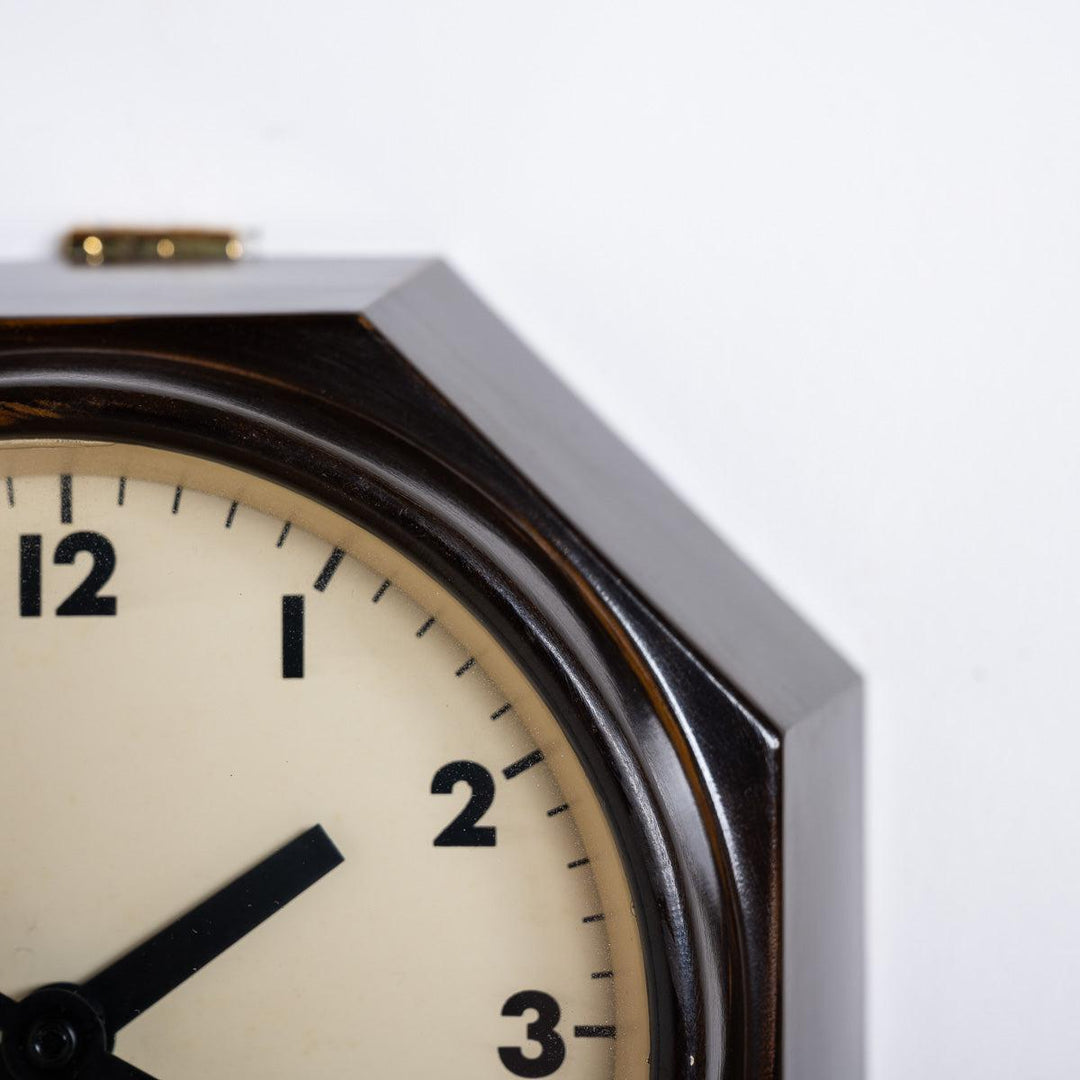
145, 975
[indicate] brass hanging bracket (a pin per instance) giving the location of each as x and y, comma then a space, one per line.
100, 247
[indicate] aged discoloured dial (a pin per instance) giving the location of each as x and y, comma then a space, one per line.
200, 667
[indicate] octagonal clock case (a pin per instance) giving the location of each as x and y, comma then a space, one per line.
370, 709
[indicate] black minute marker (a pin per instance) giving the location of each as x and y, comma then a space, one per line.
65, 499
328, 570
527, 762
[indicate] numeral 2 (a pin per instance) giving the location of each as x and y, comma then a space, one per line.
85, 599
464, 831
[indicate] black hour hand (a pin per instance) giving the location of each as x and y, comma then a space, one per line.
145, 975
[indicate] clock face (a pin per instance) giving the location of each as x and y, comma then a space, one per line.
275, 803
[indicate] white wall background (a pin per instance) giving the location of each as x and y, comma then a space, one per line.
819, 261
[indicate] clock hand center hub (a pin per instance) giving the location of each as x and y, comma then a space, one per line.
52, 1032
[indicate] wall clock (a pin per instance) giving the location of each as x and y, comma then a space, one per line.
370, 710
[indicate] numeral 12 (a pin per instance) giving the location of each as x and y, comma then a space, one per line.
85, 599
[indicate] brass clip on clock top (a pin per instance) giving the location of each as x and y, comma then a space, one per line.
97, 247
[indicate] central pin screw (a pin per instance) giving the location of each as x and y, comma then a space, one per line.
51, 1044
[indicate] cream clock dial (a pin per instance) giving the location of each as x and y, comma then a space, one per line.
230, 713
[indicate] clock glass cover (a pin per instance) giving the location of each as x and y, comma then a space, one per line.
277, 805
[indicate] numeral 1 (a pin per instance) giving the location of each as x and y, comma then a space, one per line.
292, 637
30, 576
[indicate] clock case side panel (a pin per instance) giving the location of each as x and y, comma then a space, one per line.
824, 974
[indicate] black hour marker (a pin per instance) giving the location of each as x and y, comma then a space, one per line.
561, 808
10, 492
328, 570
603, 975
574, 865
380, 592
30, 576
594, 1031
121, 491
176, 499
465, 667
232, 514
426, 627
527, 762
598, 917
65, 499
502, 710
284, 533
292, 637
